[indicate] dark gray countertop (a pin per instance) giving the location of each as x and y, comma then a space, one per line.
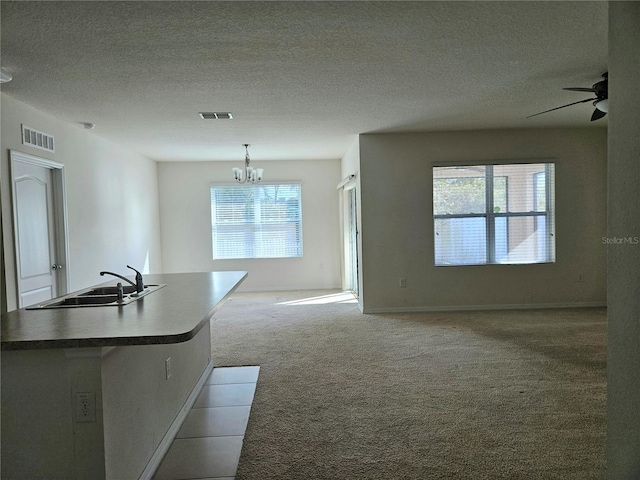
172, 314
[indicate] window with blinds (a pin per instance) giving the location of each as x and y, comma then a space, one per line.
494, 214
256, 221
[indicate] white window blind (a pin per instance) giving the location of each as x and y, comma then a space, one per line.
256, 221
485, 214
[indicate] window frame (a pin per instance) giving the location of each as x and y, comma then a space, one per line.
299, 222
490, 215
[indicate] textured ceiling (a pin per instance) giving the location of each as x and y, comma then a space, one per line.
300, 78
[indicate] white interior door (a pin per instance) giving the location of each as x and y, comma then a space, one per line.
35, 232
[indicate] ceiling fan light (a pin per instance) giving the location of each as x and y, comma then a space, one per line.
5, 76
603, 105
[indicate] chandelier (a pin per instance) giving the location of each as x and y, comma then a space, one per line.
253, 175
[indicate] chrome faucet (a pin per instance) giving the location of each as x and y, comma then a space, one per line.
139, 283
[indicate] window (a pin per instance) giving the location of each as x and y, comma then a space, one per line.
484, 214
256, 221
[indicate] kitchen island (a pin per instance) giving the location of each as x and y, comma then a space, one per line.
99, 392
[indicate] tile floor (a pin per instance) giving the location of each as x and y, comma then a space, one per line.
209, 442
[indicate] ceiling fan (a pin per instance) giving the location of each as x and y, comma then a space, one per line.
601, 102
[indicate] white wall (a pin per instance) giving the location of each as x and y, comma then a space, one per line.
185, 217
623, 270
135, 406
397, 221
140, 404
112, 198
38, 436
350, 163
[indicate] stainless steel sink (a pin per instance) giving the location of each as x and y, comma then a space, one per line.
97, 297
85, 300
109, 291
126, 289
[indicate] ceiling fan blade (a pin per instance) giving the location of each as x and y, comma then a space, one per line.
580, 89
563, 106
597, 114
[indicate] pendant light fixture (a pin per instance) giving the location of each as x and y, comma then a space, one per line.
248, 174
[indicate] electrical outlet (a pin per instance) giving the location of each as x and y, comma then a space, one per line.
85, 407
167, 367
403, 283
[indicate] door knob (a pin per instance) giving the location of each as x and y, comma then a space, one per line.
55, 266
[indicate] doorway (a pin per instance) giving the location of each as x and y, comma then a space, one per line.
39, 225
351, 245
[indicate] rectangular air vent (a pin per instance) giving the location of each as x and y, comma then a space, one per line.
37, 139
216, 115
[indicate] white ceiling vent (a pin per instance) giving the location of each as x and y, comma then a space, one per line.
37, 139
216, 115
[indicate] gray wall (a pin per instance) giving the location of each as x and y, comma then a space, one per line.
185, 211
623, 270
112, 199
397, 222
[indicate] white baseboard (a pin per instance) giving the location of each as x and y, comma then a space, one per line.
245, 289
167, 440
462, 308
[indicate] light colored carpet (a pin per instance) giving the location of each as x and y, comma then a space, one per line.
470, 395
